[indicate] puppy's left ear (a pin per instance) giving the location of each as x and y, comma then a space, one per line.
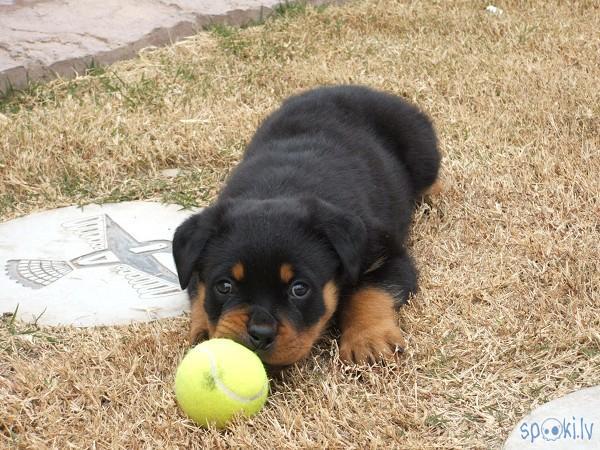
190, 239
345, 231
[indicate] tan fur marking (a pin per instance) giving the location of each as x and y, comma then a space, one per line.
286, 272
199, 325
369, 329
435, 189
238, 271
232, 324
292, 345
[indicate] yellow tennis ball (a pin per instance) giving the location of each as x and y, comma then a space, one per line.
219, 379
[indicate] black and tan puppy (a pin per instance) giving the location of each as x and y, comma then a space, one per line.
311, 226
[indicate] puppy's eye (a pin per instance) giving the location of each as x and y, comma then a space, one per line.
223, 287
299, 290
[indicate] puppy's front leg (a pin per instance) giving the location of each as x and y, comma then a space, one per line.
368, 325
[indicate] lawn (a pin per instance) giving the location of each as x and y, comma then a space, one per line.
508, 312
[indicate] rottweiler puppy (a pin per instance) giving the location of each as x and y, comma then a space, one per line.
311, 226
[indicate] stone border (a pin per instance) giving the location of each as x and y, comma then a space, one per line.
44, 39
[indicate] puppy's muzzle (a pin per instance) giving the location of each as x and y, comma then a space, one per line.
262, 330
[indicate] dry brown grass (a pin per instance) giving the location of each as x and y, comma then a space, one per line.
508, 312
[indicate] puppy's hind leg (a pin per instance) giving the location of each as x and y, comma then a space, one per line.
409, 134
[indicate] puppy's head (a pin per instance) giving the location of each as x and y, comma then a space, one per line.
265, 272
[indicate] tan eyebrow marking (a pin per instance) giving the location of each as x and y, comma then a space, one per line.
286, 272
238, 271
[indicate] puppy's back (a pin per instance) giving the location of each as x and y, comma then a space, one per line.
350, 113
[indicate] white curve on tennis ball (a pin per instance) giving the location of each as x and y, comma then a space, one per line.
223, 387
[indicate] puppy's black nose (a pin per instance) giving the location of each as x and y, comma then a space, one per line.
261, 335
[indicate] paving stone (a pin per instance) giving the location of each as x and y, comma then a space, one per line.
40, 39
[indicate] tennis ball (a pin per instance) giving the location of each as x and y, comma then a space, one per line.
218, 379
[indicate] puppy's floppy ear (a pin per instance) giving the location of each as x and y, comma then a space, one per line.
345, 231
191, 238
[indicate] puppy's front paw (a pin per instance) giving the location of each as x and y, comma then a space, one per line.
369, 329
371, 345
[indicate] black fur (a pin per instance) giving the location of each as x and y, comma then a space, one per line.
328, 184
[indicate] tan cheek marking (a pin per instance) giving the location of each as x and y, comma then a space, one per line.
200, 328
238, 271
292, 345
330, 296
286, 273
232, 324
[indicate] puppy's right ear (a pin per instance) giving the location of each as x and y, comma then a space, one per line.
190, 239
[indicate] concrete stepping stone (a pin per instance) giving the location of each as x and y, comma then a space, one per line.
569, 422
92, 265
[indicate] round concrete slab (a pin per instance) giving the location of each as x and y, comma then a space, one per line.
569, 422
92, 265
